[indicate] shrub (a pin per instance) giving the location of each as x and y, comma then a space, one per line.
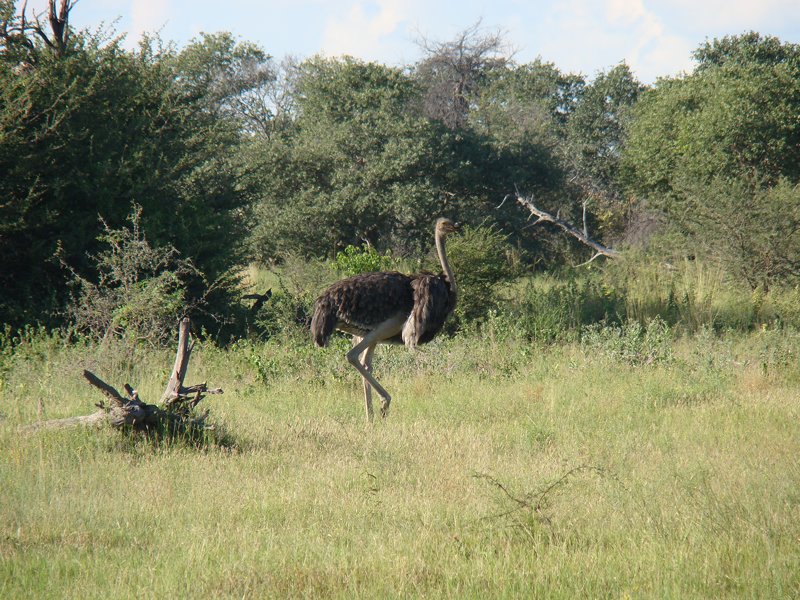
352, 260
141, 291
549, 309
632, 342
479, 257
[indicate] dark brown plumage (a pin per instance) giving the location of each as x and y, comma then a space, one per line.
386, 307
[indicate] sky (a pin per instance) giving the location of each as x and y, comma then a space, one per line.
654, 37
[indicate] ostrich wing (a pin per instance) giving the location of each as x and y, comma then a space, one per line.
360, 303
431, 306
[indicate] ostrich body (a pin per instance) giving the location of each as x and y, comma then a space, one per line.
386, 308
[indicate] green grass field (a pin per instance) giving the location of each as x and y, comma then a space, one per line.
504, 470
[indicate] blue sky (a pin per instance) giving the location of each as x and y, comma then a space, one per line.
655, 37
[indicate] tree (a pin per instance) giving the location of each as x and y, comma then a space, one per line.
357, 165
90, 130
596, 133
21, 33
718, 152
559, 138
528, 103
752, 229
729, 117
231, 79
452, 73
596, 130
747, 49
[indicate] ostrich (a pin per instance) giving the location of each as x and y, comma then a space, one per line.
386, 308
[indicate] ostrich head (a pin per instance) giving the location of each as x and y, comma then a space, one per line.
445, 226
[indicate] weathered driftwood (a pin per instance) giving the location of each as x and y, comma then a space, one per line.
120, 411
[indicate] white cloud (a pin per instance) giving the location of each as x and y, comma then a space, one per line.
583, 33
736, 15
365, 30
625, 11
651, 50
148, 16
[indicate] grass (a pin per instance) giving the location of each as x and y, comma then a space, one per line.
504, 470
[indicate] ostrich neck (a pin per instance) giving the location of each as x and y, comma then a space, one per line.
448, 272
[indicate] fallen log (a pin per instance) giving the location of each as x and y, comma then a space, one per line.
175, 409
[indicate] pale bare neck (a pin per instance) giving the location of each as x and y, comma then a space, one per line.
448, 272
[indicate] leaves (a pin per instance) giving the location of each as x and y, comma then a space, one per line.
90, 132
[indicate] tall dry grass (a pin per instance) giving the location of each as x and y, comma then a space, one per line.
506, 469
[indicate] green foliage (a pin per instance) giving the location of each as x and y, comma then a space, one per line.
356, 165
752, 229
228, 79
596, 128
285, 316
631, 342
91, 131
352, 260
141, 291
359, 162
717, 151
551, 309
728, 119
596, 134
481, 261
745, 49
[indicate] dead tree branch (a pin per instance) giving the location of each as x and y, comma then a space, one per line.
18, 29
582, 236
174, 410
172, 391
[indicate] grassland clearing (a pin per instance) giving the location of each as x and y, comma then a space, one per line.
505, 469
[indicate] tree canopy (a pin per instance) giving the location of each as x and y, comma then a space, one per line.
231, 157
720, 146
86, 133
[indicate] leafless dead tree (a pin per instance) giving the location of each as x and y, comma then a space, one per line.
17, 29
452, 71
174, 410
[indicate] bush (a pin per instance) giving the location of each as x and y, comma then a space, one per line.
481, 261
749, 226
631, 343
140, 292
549, 309
88, 132
352, 260
284, 314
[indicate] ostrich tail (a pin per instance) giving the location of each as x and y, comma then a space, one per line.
323, 322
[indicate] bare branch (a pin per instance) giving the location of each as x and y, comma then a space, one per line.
583, 264
451, 72
96, 419
57, 17
585, 225
567, 227
172, 392
108, 391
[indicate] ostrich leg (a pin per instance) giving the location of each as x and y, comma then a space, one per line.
366, 360
365, 347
